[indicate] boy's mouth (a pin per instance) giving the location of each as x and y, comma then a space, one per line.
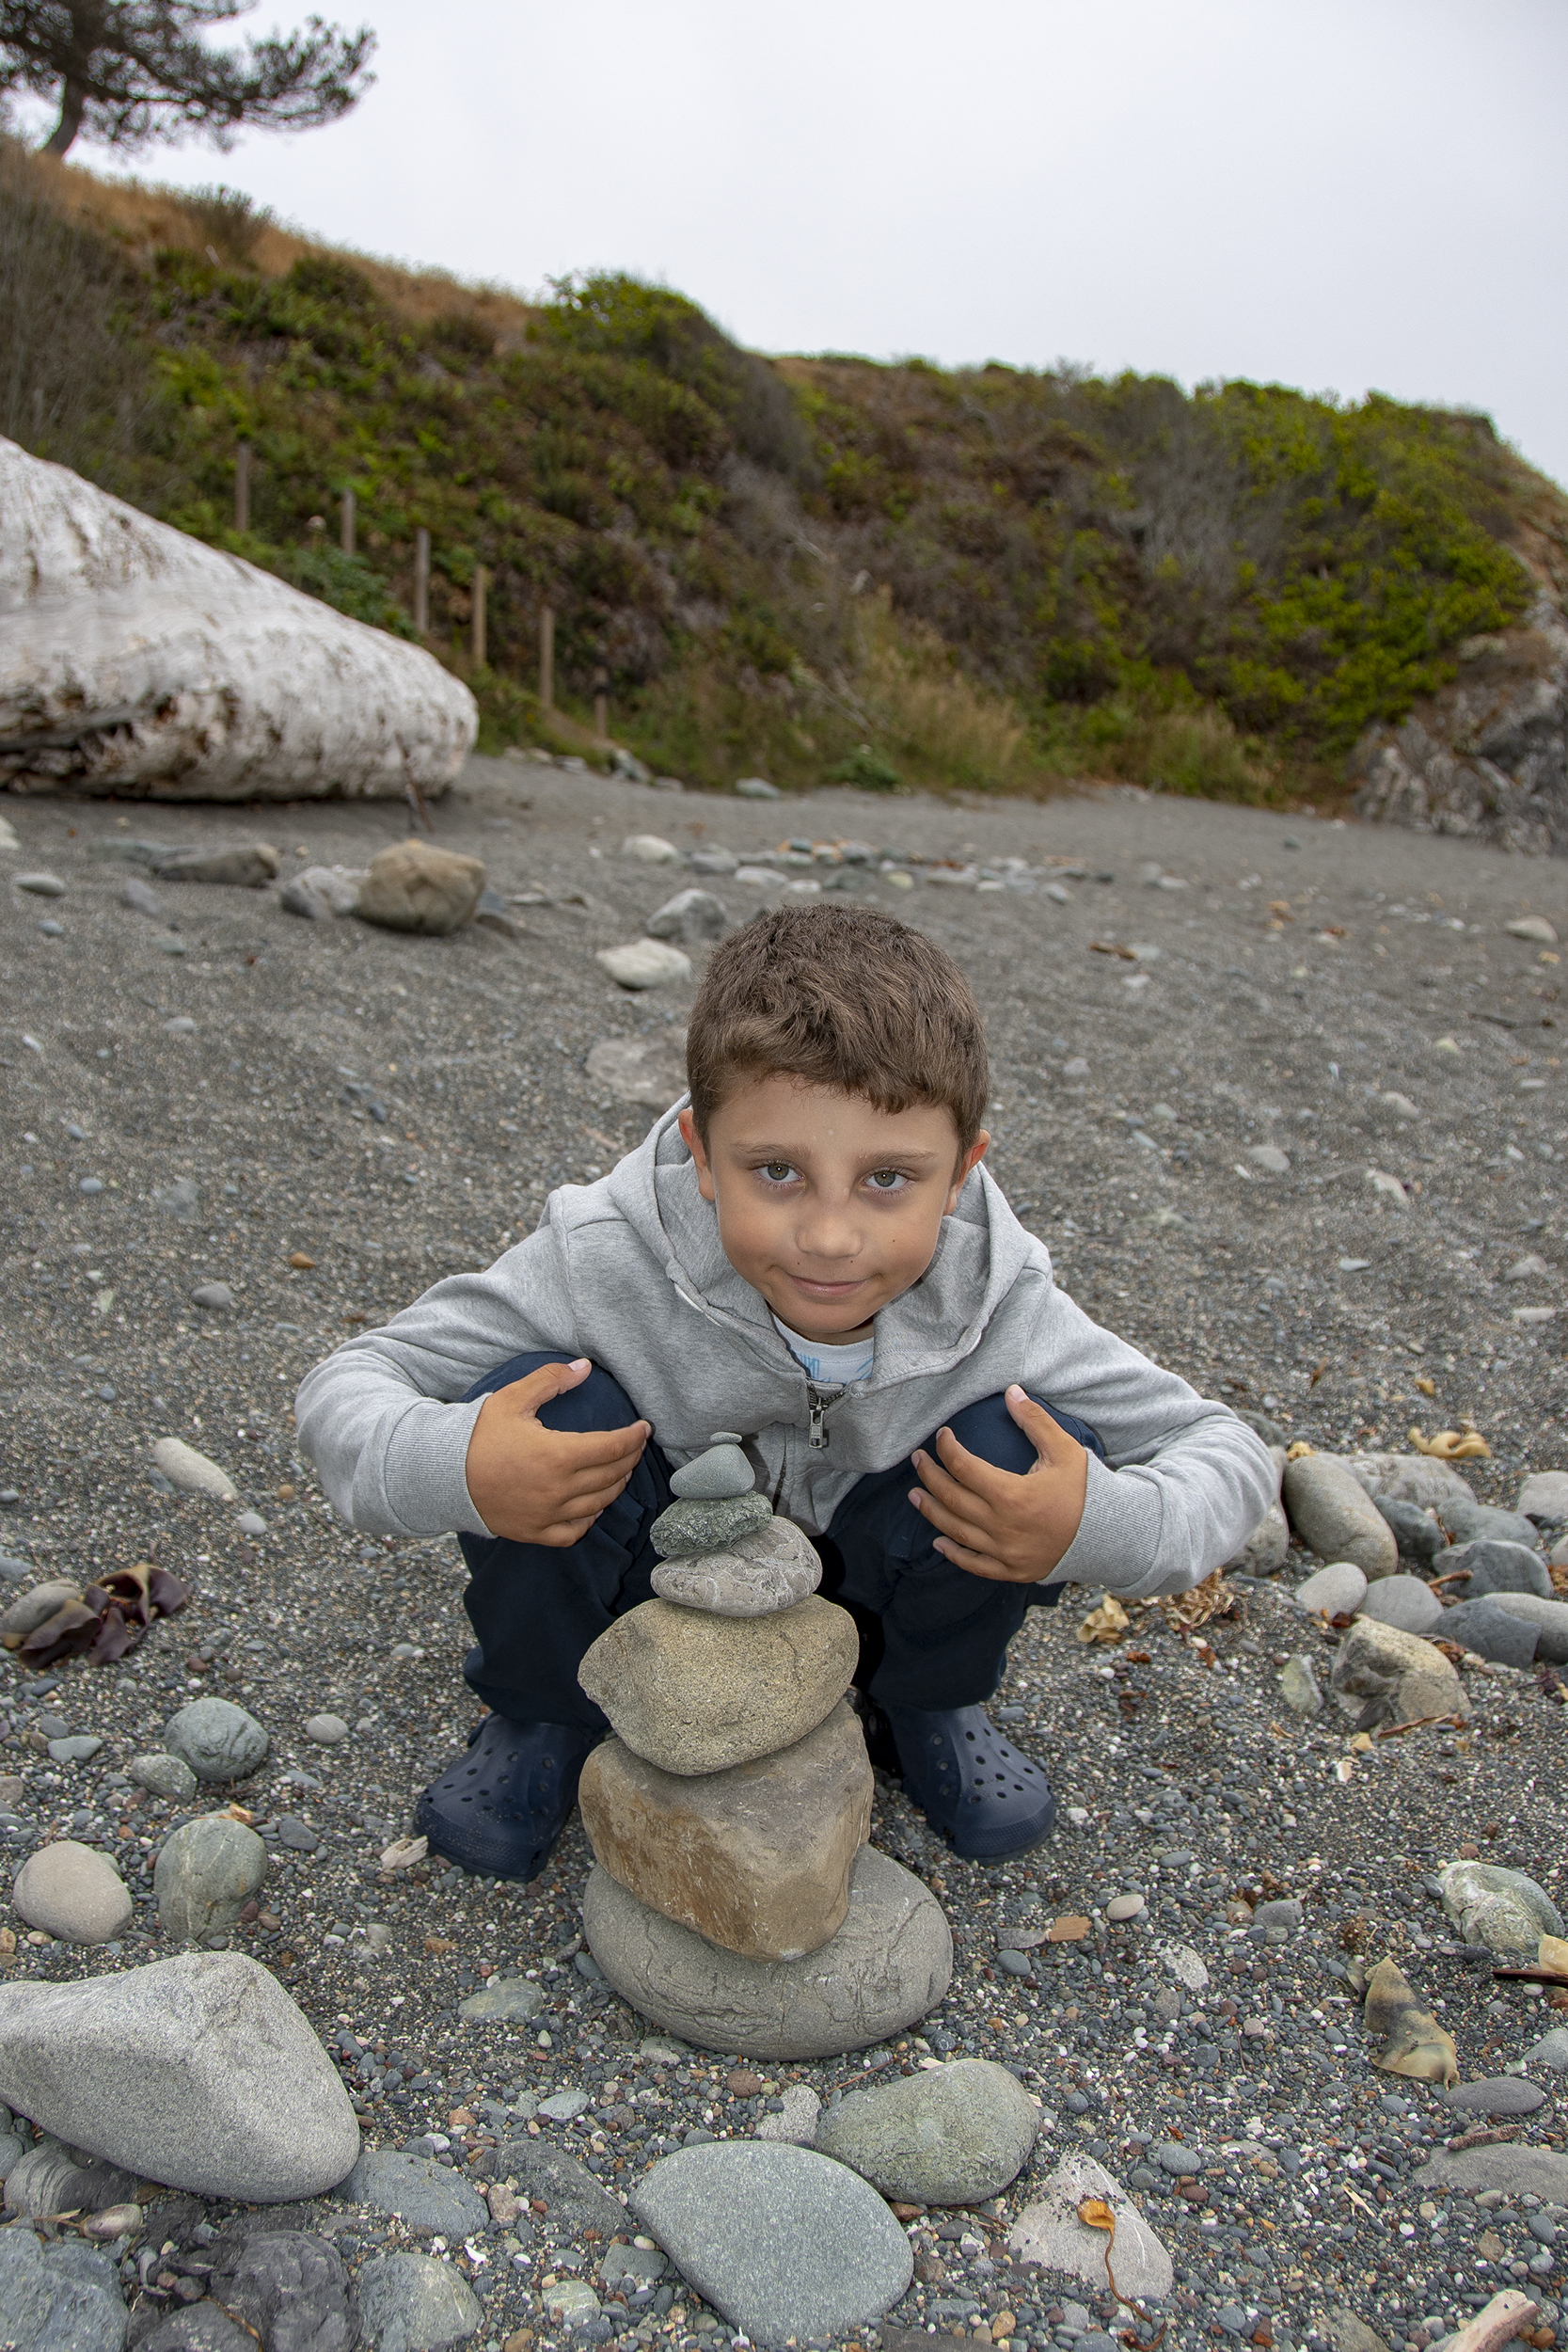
813, 1289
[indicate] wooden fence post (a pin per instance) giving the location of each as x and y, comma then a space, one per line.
546, 658
347, 535
601, 718
421, 581
241, 486
481, 579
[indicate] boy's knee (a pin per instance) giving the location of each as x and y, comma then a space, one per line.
986, 1428
597, 1403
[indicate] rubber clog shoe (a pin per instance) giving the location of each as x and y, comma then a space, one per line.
972, 1784
499, 1810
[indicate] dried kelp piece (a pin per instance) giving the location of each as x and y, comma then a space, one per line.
1106, 1624
1213, 1598
108, 1618
1412, 2043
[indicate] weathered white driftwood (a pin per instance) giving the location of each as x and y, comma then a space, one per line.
137, 660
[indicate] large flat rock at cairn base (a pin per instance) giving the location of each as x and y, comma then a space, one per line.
890, 1962
134, 658
197, 2071
692, 1693
785, 2243
756, 1859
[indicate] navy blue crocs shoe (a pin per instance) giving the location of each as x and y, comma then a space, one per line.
499, 1810
969, 1782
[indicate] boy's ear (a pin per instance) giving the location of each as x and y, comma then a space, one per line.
972, 1159
694, 1142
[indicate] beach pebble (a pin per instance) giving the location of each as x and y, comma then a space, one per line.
506, 2001
1386, 1676
1550, 1619
74, 1892
199, 2071
1543, 1496
250, 1523
780, 2240
206, 1873
413, 2303
756, 789
1503, 1909
414, 886
74, 1748
35, 1608
417, 2189
39, 886
1403, 1602
1336, 1591
649, 849
1123, 1907
694, 915
191, 1472
949, 2135
1419, 1538
1298, 1685
1048, 2231
571, 2197
799, 2110
1497, 1566
1551, 2050
645, 963
1499, 2094
1490, 1627
328, 1731
49, 2179
216, 1738
1335, 1517
890, 1961
218, 1297
162, 1776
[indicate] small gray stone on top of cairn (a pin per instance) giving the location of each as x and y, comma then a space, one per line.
769, 1569
700, 1525
721, 1472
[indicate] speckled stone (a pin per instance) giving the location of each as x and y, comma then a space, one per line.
769, 1569
697, 1526
216, 1738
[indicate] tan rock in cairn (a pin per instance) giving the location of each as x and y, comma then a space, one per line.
758, 1858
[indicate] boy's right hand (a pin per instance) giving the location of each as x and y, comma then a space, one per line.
540, 1485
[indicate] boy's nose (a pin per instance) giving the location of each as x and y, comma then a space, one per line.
829, 1237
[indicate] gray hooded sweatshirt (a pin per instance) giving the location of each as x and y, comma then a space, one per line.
629, 1272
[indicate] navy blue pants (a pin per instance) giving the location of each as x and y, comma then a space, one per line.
931, 1635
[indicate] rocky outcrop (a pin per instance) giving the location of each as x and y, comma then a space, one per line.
1487, 756
138, 662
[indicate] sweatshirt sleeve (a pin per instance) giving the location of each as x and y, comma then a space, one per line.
382, 1418
1185, 1482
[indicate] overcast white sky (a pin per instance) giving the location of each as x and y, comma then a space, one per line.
1340, 195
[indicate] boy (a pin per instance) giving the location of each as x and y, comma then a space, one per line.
808, 1251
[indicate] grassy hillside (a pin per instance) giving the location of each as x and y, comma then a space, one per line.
809, 569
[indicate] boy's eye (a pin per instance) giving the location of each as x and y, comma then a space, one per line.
887, 1180
777, 1171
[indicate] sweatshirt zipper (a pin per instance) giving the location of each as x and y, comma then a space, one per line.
817, 1436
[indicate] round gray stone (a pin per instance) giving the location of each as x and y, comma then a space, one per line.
1491, 1632
1497, 1566
511, 2003
1404, 1602
1331, 1512
1503, 1909
721, 1471
216, 1738
205, 1875
949, 2135
890, 1962
1336, 1591
759, 1574
53, 2298
73, 1891
1501, 2094
698, 1526
418, 2189
328, 1731
162, 1776
778, 2239
413, 2303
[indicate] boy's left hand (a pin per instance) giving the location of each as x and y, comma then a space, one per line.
994, 1523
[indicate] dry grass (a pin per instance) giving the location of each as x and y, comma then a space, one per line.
931, 716
144, 219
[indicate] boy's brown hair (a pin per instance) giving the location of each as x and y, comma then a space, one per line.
839, 996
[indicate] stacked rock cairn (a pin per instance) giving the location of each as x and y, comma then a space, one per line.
736, 1900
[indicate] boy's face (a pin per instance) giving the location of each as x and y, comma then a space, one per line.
828, 1206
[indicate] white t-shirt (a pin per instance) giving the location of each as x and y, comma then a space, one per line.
833, 1366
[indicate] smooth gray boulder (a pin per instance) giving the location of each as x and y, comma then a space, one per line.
949, 2135
199, 2071
890, 1962
1469, 1522
1404, 1602
1335, 1516
1492, 1630
1495, 1565
1417, 1478
783, 2242
1549, 1617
